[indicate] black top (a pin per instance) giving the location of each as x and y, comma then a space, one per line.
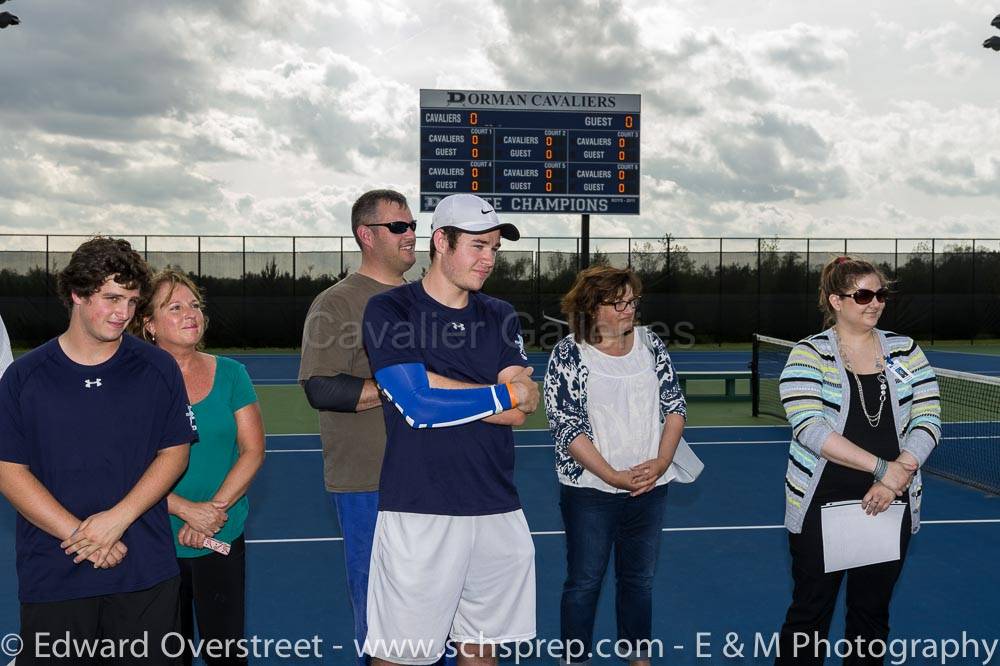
840, 483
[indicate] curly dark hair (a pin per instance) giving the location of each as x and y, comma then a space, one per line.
95, 261
593, 286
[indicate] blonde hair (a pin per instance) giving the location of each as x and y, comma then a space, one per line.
147, 307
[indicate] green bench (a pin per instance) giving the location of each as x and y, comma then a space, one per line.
728, 378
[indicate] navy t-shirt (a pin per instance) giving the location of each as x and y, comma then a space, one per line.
88, 433
465, 470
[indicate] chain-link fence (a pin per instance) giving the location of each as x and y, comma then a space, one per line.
695, 289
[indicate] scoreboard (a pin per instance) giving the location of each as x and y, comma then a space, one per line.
531, 152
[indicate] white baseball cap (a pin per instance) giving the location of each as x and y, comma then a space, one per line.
472, 215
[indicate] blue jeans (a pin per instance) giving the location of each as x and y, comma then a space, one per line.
357, 513
595, 522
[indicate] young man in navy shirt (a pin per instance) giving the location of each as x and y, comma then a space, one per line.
452, 556
94, 430
338, 382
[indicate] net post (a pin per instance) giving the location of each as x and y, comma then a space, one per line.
755, 377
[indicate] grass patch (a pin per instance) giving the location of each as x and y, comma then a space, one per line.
286, 411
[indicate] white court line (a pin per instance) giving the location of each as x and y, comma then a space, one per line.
712, 443
723, 528
955, 351
777, 425
310, 434
549, 446
682, 361
309, 540
699, 427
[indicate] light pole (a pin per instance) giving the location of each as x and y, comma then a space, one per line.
6, 18
994, 41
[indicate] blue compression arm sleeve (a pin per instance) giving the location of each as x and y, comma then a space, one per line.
406, 385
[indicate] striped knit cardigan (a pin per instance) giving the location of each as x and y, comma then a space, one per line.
812, 392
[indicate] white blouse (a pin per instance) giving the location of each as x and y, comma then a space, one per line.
623, 403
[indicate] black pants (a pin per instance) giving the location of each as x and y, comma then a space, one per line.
869, 590
99, 622
212, 590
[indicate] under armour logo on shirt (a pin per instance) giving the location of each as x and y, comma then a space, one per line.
91, 383
190, 414
457, 326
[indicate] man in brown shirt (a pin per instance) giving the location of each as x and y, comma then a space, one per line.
338, 381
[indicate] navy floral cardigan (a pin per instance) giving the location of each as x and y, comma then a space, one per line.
565, 392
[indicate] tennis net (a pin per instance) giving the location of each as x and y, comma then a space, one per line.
969, 451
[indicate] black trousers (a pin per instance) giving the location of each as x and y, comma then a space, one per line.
212, 592
869, 591
102, 623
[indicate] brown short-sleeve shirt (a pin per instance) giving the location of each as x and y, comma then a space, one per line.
353, 443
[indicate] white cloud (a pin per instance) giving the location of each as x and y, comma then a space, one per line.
248, 116
806, 49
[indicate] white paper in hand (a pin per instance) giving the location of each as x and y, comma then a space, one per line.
852, 538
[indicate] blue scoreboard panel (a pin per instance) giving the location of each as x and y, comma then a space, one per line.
531, 152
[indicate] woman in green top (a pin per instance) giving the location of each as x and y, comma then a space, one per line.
210, 500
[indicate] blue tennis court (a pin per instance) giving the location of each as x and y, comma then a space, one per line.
723, 565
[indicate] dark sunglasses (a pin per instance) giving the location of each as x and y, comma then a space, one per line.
397, 227
865, 296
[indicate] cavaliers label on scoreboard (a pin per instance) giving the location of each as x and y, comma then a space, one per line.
531, 152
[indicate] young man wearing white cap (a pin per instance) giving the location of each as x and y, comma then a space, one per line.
453, 556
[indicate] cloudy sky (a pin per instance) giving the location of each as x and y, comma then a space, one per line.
875, 118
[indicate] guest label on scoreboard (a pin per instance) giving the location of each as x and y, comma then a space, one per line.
537, 152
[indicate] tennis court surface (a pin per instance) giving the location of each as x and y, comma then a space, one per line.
723, 571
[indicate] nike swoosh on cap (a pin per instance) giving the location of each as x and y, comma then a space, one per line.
486, 212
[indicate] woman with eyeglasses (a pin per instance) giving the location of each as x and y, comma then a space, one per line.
616, 413
865, 413
208, 506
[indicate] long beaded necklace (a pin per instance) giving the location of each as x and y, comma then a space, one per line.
873, 420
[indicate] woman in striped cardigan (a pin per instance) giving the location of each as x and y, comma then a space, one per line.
865, 414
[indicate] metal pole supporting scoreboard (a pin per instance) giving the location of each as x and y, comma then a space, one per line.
532, 152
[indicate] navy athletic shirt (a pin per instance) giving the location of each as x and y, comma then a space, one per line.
465, 470
88, 433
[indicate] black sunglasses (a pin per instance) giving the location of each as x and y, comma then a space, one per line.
865, 296
397, 227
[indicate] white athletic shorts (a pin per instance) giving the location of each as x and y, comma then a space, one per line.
468, 577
